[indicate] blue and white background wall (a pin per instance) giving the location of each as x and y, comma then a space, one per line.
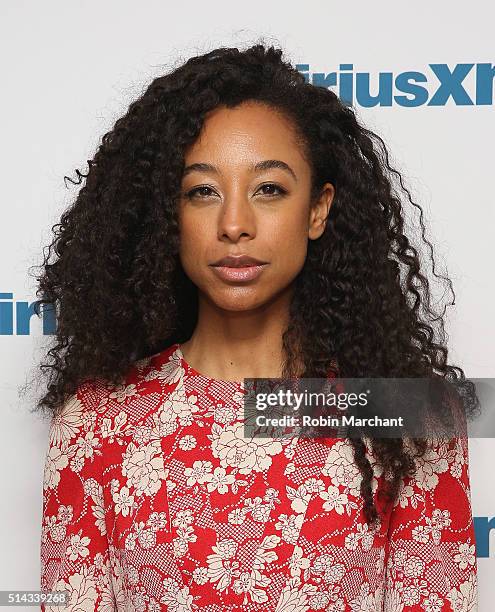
70, 68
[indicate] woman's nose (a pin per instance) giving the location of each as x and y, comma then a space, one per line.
236, 218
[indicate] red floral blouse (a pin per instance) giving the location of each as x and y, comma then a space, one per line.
153, 500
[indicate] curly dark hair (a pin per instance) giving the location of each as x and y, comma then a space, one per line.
362, 304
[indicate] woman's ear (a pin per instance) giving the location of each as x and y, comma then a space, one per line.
319, 212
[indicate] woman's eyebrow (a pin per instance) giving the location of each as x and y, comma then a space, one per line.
266, 164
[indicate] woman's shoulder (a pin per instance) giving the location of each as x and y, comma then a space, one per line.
165, 365
98, 404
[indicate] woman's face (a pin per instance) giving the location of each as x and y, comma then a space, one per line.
246, 191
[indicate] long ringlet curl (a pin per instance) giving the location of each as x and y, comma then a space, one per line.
362, 304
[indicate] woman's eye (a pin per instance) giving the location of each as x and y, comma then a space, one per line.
271, 185
192, 193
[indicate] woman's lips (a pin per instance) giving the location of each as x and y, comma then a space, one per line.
245, 273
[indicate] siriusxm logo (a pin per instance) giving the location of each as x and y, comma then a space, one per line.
24, 311
439, 86
482, 527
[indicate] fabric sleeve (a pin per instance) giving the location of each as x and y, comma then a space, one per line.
74, 550
430, 555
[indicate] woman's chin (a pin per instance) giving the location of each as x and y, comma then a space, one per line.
239, 299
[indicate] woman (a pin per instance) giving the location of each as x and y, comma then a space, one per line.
238, 222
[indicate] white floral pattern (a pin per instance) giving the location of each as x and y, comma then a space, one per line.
154, 500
